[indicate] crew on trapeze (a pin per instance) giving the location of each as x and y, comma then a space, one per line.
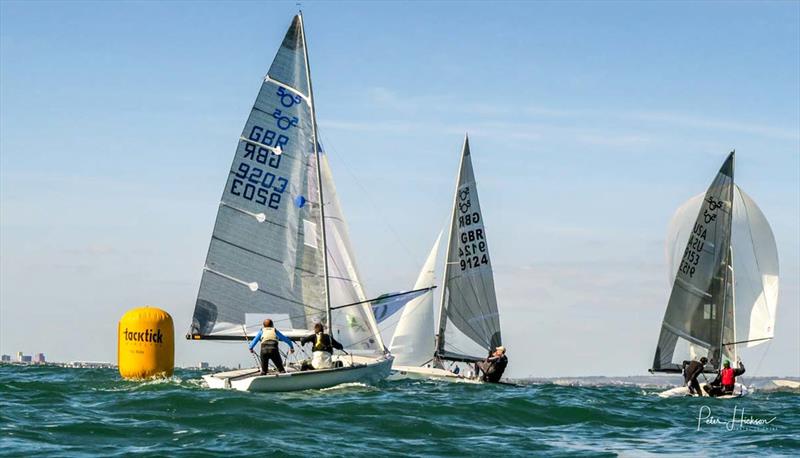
725, 381
269, 337
493, 366
691, 370
322, 351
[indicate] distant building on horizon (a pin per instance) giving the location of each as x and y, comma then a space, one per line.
20, 356
39, 358
5, 358
26, 359
202, 365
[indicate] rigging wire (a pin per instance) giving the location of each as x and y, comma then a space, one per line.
246, 341
365, 192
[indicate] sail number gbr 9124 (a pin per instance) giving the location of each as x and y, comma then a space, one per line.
472, 250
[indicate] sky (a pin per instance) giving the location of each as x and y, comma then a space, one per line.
589, 124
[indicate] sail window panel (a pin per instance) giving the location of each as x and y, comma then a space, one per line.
709, 312
309, 234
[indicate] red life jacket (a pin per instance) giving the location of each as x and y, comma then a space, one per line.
728, 377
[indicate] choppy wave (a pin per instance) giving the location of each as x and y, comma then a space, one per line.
72, 412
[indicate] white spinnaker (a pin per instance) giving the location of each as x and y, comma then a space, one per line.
755, 263
413, 341
354, 326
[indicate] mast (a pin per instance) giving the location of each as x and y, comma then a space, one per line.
319, 178
728, 268
442, 317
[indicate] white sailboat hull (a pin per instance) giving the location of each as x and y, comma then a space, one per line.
429, 373
357, 369
739, 390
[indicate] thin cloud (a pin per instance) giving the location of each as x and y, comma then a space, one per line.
390, 100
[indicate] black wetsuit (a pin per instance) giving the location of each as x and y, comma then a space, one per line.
716, 388
270, 352
493, 368
691, 370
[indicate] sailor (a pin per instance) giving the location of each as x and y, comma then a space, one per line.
323, 347
725, 381
494, 366
268, 337
691, 370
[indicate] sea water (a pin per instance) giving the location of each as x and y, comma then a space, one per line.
53, 411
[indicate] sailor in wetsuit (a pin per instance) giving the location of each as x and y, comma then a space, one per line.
494, 366
691, 370
268, 337
725, 381
322, 349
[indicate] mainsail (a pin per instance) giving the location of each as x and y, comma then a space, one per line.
266, 253
700, 317
469, 324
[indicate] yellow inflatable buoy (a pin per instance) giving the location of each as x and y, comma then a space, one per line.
145, 343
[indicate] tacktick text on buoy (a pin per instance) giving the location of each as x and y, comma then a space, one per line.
145, 344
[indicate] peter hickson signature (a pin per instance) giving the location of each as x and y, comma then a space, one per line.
737, 421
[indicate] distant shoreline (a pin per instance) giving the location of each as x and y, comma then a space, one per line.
654, 380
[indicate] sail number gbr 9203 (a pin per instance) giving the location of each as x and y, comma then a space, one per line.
256, 177
472, 252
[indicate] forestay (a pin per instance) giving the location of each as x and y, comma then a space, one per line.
469, 323
696, 322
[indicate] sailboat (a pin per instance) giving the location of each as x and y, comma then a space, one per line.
280, 247
724, 268
469, 322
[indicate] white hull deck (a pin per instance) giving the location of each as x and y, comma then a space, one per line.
739, 390
356, 369
415, 372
